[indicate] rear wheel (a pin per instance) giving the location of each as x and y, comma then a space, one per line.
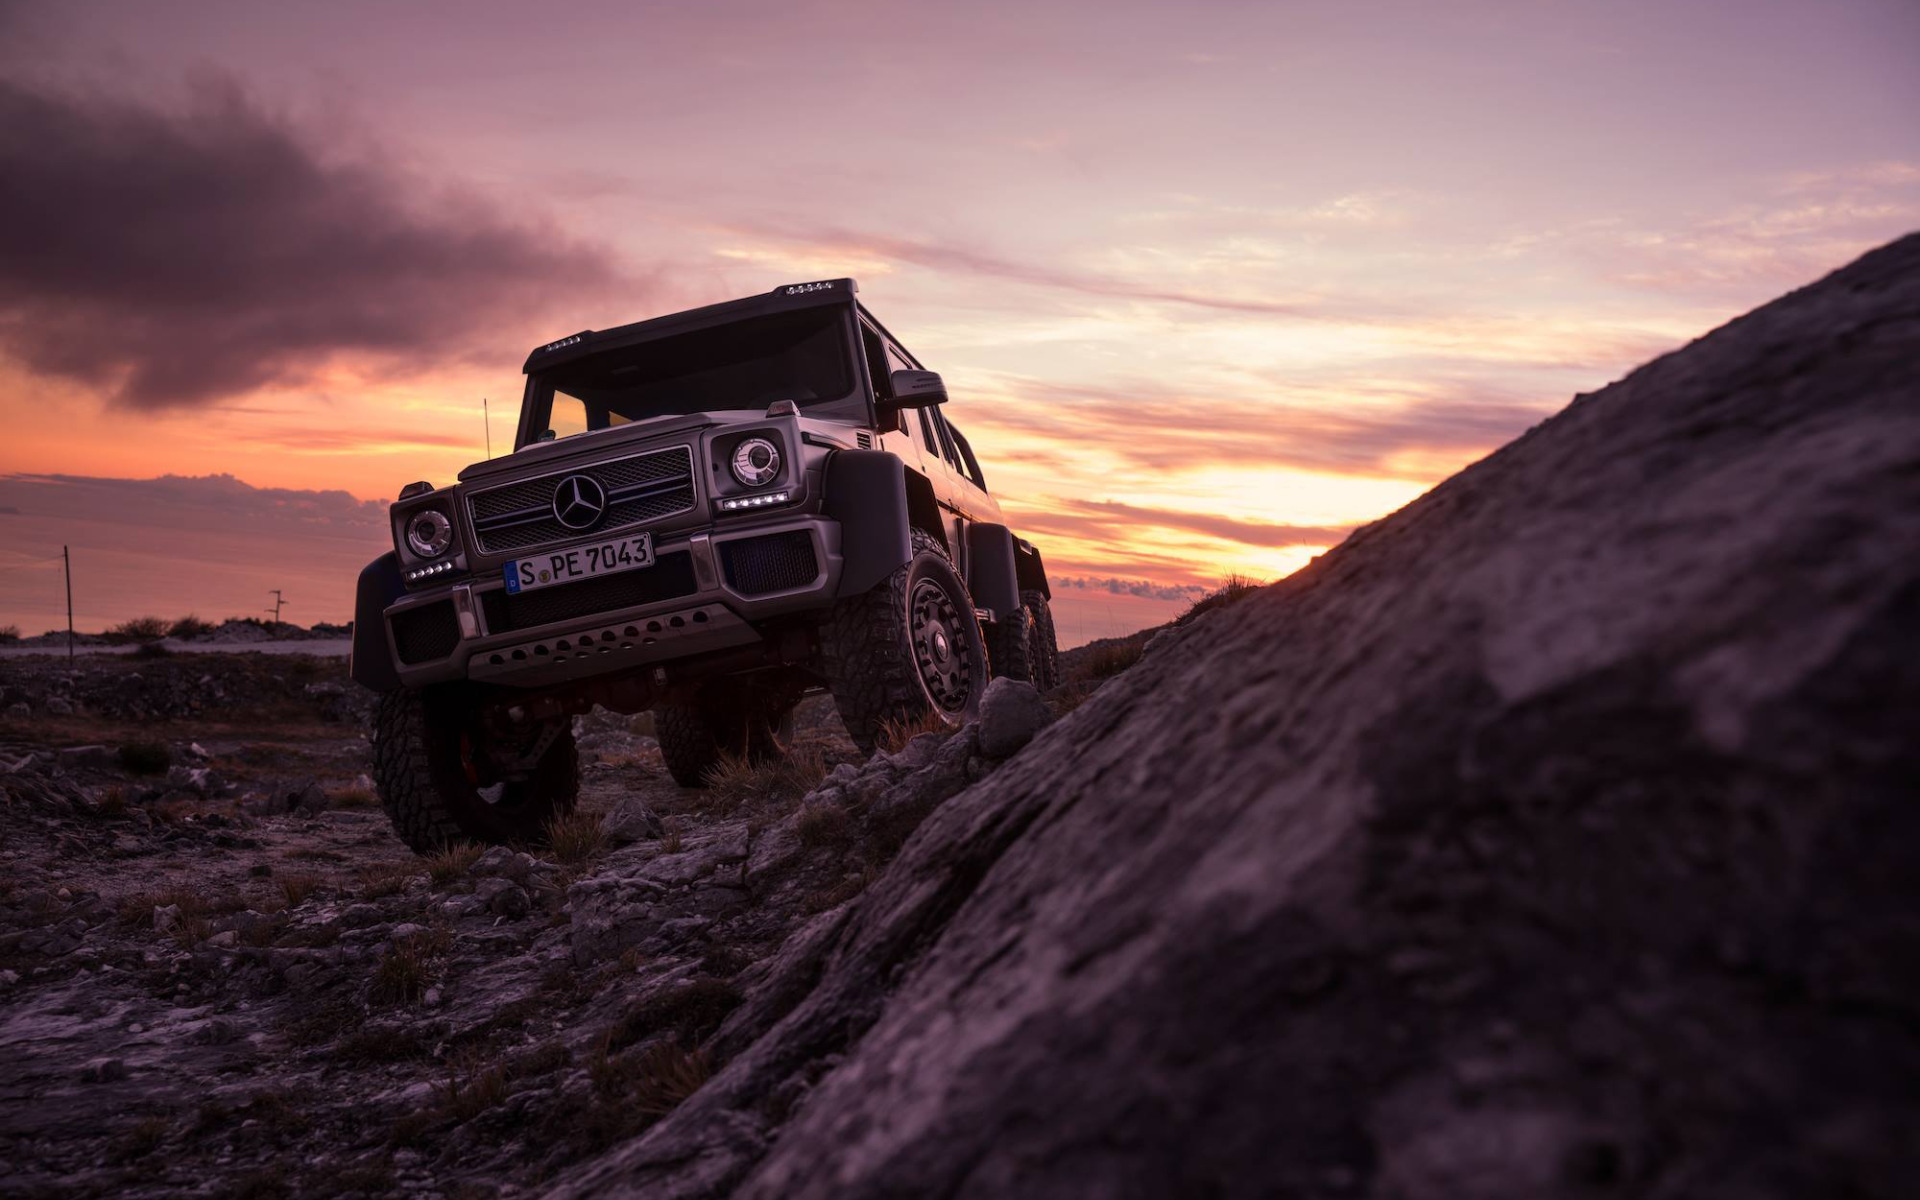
907, 648
694, 735
1010, 646
1043, 646
445, 775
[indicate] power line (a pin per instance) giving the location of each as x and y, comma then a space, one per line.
66, 561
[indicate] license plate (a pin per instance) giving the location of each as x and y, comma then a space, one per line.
582, 562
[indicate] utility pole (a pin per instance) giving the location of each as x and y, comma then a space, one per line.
278, 601
66, 561
488, 420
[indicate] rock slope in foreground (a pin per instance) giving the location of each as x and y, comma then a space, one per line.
1555, 836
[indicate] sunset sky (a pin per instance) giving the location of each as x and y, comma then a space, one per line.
1210, 283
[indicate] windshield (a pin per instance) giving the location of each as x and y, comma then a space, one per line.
799, 356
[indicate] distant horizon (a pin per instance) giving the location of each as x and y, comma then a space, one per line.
320, 541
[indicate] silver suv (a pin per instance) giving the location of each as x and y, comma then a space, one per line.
706, 515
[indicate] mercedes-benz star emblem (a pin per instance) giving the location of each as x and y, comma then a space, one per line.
579, 502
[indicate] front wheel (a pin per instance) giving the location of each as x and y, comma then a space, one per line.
907, 648
444, 776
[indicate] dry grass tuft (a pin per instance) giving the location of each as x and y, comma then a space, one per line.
452, 863
296, 888
471, 1087
388, 878
896, 732
576, 838
1232, 590
407, 969
351, 797
192, 926
650, 1083
665, 1076
1104, 662
737, 780
824, 825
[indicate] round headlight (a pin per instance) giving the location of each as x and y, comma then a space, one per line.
756, 461
429, 533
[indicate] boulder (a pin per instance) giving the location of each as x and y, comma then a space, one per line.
1554, 836
1011, 715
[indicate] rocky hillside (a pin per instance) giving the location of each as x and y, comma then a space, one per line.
1552, 837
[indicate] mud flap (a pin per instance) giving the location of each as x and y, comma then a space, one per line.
991, 575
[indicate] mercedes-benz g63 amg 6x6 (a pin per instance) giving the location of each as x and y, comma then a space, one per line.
705, 515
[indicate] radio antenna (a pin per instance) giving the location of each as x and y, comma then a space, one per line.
487, 419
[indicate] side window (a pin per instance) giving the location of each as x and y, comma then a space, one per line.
876, 362
927, 436
966, 453
946, 441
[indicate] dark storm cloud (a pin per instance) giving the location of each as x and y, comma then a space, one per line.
175, 259
202, 503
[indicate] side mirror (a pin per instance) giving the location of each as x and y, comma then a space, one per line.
918, 389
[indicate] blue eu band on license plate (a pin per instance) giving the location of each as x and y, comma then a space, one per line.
582, 562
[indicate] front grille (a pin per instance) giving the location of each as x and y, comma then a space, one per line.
670, 576
756, 566
426, 633
646, 487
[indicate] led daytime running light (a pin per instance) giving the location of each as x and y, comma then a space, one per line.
741, 502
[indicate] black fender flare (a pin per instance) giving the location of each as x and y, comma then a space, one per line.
991, 573
923, 510
866, 492
1032, 572
370, 662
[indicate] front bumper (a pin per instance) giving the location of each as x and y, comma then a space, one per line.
707, 591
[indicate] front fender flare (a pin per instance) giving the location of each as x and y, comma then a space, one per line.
866, 492
371, 660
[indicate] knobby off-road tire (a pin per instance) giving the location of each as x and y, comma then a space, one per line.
423, 749
694, 736
874, 666
1010, 646
1043, 646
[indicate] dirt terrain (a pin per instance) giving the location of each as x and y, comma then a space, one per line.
221, 973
